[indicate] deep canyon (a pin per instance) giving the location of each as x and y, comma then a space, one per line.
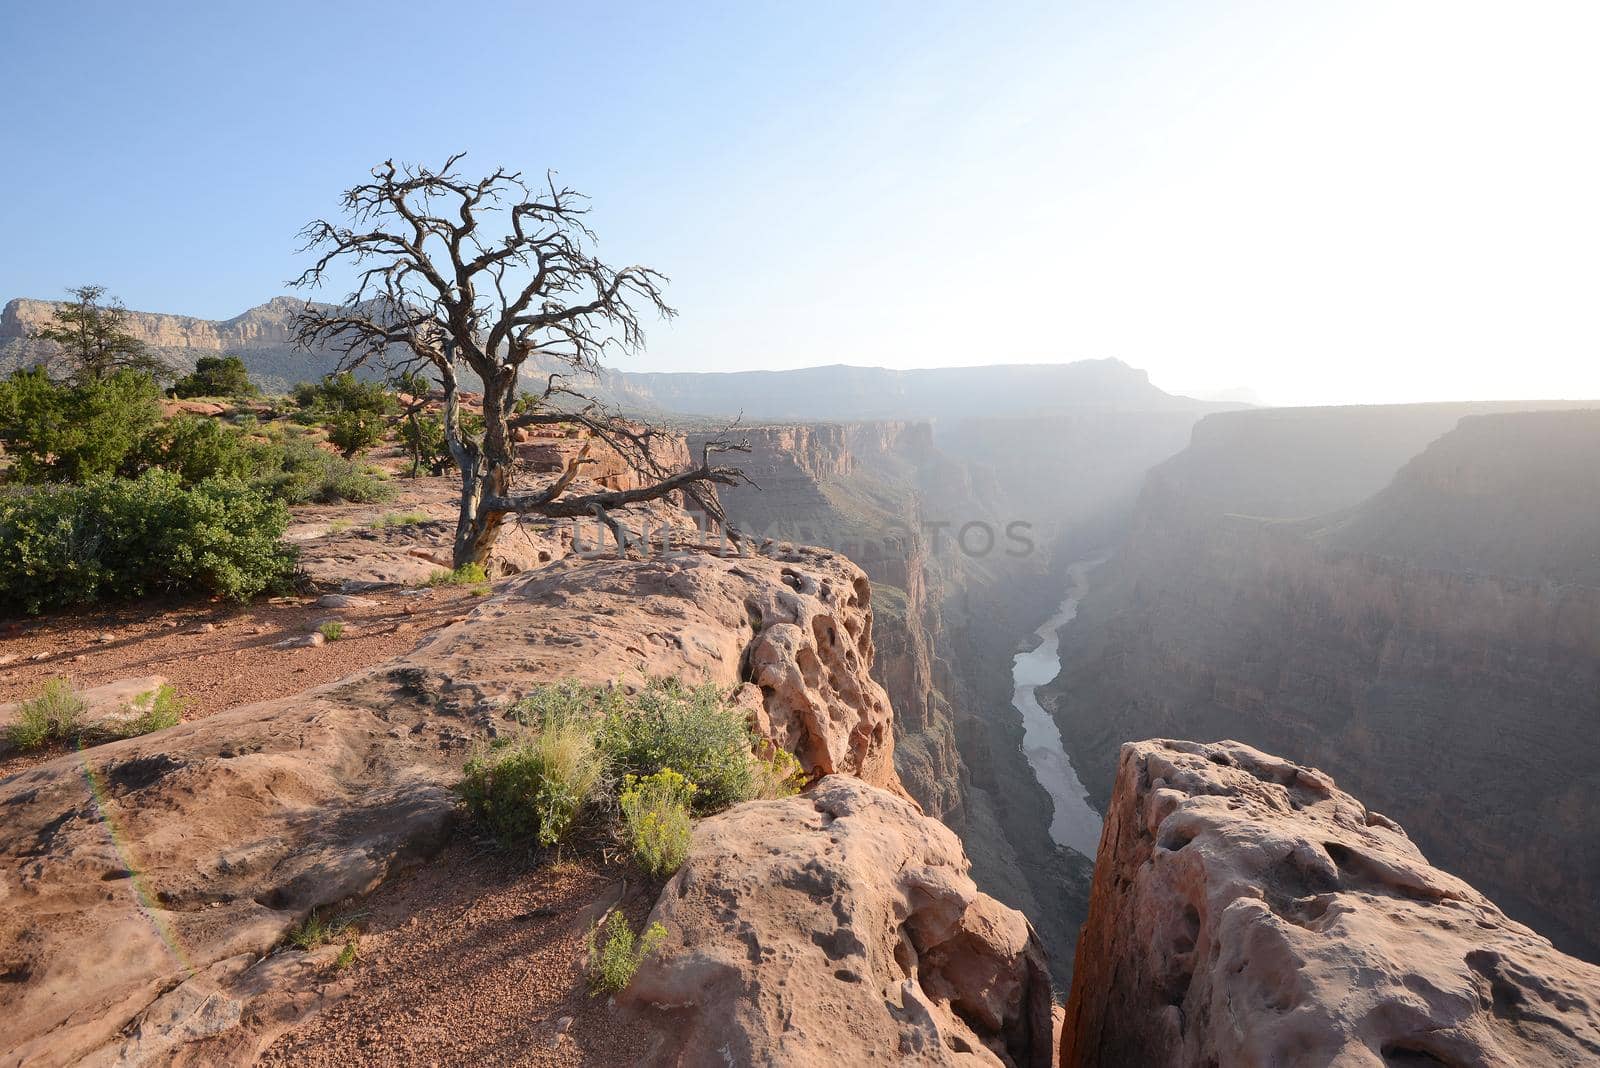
1401, 603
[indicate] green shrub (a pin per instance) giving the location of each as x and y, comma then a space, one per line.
355, 411
117, 538
216, 376
656, 820
73, 433
351, 432
693, 731
332, 630
317, 930
534, 786
614, 959
424, 440
778, 773
465, 575
306, 474
53, 714
154, 710
197, 447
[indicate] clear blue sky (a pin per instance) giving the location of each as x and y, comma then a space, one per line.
1323, 201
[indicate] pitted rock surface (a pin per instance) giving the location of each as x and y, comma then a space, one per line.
840, 927
1247, 912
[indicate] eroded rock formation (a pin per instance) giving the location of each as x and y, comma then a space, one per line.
135, 869
1247, 912
840, 928
1459, 699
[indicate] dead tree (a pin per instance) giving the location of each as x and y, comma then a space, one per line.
435, 286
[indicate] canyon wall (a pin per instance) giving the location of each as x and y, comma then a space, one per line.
1247, 911
962, 526
262, 336
1461, 701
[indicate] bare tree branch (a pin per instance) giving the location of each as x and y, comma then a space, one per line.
434, 283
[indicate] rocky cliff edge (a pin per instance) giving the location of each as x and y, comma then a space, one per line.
1247, 912
145, 884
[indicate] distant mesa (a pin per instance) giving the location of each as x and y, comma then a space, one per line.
262, 337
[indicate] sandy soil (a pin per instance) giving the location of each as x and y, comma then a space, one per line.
477, 958
216, 655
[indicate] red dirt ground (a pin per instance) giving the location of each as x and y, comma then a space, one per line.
216, 655
476, 958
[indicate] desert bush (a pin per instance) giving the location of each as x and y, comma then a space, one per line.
305, 473
54, 713
465, 575
332, 630
195, 448
657, 825
615, 957
355, 411
216, 376
115, 538
535, 786
73, 433
778, 773
424, 440
352, 432
153, 710
694, 731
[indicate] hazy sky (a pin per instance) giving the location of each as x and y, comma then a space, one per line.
1322, 201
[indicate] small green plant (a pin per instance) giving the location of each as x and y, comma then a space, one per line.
694, 731
339, 525
466, 575
53, 714
535, 786
347, 956
614, 959
399, 519
319, 930
656, 820
153, 710
332, 630
778, 773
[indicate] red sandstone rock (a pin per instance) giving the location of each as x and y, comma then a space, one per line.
840, 927
1247, 912
133, 867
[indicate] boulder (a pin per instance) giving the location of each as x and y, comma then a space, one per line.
1247, 912
840, 927
344, 600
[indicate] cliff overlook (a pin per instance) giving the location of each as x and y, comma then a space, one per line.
1434, 646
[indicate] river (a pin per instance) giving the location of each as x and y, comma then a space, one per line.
1075, 823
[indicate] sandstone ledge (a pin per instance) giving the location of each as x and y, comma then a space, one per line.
1247, 912
137, 869
840, 927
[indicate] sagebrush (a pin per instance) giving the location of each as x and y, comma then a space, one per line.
615, 956
534, 786
656, 820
